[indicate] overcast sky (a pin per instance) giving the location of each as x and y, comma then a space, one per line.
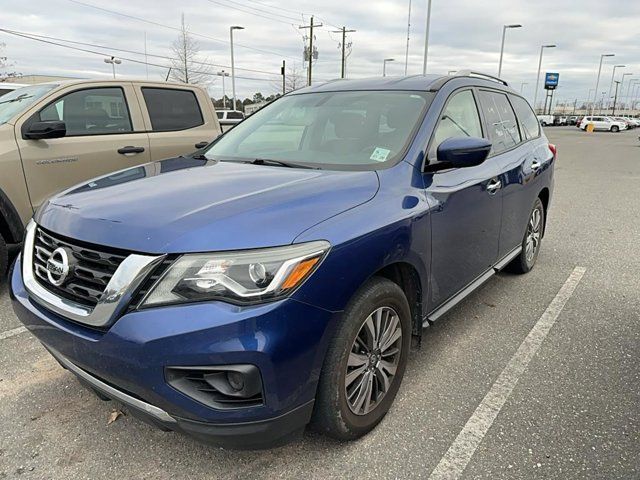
464, 34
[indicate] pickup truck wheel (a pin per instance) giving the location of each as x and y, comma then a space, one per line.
365, 362
615, 129
4, 257
524, 262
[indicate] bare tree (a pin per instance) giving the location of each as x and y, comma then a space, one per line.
294, 79
185, 67
5, 64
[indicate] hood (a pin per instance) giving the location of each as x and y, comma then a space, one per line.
189, 205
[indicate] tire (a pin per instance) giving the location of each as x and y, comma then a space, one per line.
335, 413
4, 257
524, 262
615, 129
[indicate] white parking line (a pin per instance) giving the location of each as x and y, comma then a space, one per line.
461, 451
12, 333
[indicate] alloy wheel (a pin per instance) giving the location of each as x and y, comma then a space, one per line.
373, 360
534, 232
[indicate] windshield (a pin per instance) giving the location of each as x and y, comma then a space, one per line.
340, 130
20, 99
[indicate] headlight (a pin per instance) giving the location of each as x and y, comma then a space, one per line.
243, 277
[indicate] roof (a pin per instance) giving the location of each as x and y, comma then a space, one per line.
115, 82
410, 83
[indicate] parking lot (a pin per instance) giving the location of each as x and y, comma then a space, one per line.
573, 413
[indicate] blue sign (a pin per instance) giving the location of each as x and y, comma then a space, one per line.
551, 80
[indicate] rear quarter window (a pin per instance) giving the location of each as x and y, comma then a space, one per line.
172, 109
529, 125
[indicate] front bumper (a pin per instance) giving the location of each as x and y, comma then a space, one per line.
286, 340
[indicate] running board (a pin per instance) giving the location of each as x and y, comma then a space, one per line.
462, 294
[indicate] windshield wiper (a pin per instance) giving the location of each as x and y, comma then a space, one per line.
17, 99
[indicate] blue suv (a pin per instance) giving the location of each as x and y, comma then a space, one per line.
277, 277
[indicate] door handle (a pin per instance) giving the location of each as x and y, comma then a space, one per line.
493, 186
535, 165
129, 149
200, 145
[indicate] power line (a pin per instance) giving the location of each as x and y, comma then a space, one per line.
279, 8
35, 35
178, 29
105, 54
290, 19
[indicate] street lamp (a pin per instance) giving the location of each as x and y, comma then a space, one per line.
233, 69
223, 74
613, 74
426, 39
622, 82
384, 65
595, 98
535, 97
504, 31
113, 61
630, 88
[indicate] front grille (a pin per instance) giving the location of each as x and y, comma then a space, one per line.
90, 269
149, 282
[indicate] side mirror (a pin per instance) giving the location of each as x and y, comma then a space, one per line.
49, 129
460, 152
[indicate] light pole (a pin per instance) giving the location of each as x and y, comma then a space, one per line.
113, 61
595, 98
504, 31
613, 75
622, 84
233, 69
223, 74
535, 96
426, 39
630, 88
384, 65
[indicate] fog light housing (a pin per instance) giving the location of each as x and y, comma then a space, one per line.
220, 387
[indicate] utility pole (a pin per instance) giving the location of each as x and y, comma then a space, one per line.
344, 32
283, 73
615, 98
426, 39
406, 55
310, 27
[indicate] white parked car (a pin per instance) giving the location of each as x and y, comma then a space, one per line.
229, 118
603, 123
6, 87
545, 120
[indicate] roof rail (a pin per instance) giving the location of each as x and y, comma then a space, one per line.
471, 73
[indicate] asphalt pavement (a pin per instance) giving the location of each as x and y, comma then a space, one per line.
478, 401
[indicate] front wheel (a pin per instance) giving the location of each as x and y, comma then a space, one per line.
615, 129
365, 362
524, 262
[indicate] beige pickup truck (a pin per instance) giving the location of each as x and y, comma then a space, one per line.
54, 135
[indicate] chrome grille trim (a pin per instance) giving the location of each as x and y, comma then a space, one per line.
112, 301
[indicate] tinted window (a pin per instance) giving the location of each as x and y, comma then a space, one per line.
4, 90
347, 129
528, 122
459, 118
94, 111
501, 121
172, 109
220, 115
235, 115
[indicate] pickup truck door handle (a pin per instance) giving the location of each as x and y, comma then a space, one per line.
129, 149
200, 145
535, 165
493, 186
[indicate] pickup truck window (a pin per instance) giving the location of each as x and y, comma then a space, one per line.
20, 99
172, 109
92, 111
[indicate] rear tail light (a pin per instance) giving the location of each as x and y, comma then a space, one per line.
553, 149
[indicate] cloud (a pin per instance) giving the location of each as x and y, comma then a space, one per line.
464, 34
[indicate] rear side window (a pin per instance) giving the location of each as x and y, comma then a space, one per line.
220, 115
528, 121
235, 115
171, 109
93, 111
501, 121
459, 119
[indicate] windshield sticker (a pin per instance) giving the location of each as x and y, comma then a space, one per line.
380, 154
